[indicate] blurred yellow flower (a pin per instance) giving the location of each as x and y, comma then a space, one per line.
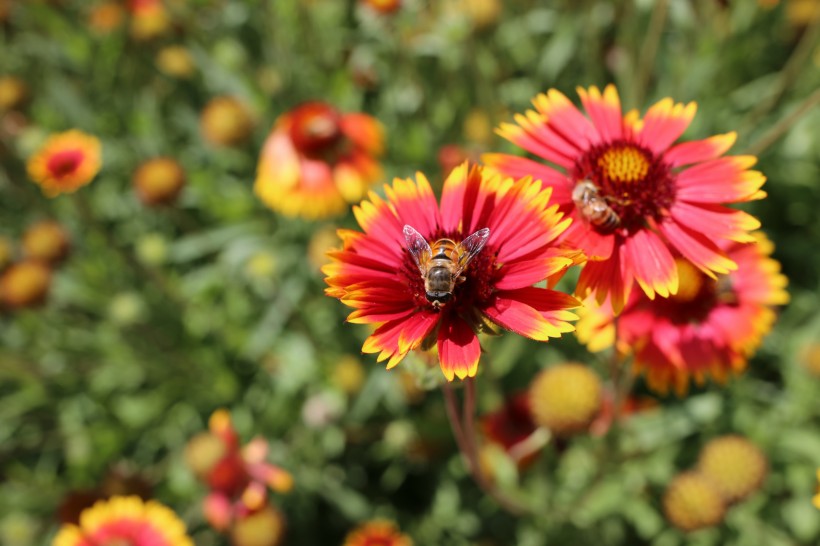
692, 502
106, 17
225, 121
735, 466
158, 181
24, 284
47, 242
565, 398
13, 93
176, 61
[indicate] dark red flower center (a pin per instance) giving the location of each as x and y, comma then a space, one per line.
476, 288
316, 129
633, 182
698, 295
64, 162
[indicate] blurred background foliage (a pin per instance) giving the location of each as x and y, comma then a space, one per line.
161, 315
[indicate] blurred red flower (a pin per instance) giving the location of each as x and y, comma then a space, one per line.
317, 160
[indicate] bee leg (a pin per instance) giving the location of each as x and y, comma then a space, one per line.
460, 279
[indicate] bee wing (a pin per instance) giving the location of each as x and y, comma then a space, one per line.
470, 247
419, 248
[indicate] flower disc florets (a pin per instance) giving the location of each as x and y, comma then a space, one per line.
378, 276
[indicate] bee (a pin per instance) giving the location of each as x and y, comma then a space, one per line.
442, 263
594, 208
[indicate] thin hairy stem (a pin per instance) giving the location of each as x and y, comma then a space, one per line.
791, 70
649, 49
781, 127
464, 432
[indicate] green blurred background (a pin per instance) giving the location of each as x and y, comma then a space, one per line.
160, 316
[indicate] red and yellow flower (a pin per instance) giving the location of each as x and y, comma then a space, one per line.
710, 328
668, 198
376, 274
377, 533
65, 162
238, 476
125, 520
317, 161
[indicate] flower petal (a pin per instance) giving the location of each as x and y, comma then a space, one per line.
458, 348
696, 248
612, 277
415, 204
716, 221
722, 180
536, 313
581, 235
697, 151
520, 167
604, 110
652, 263
561, 113
528, 272
664, 122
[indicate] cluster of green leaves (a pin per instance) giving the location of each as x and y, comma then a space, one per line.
161, 316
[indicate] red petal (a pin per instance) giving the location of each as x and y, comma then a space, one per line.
697, 151
581, 235
415, 204
722, 180
458, 348
536, 313
715, 221
520, 167
652, 263
604, 110
528, 272
566, 119
365, 132
696, 248
611, 277
664, 122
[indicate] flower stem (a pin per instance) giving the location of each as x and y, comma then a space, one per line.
464, 432
649, 49
791, 70
781, 127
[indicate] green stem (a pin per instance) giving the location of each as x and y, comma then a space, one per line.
465, 438
791, 70
649, 49
781, 127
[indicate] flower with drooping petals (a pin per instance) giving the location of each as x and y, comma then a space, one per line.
317, 160
238, 476
376, 274
709, 328
66, 162
377, 533
666, 198
125, 520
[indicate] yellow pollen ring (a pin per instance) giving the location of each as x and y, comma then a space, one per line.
624, 164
